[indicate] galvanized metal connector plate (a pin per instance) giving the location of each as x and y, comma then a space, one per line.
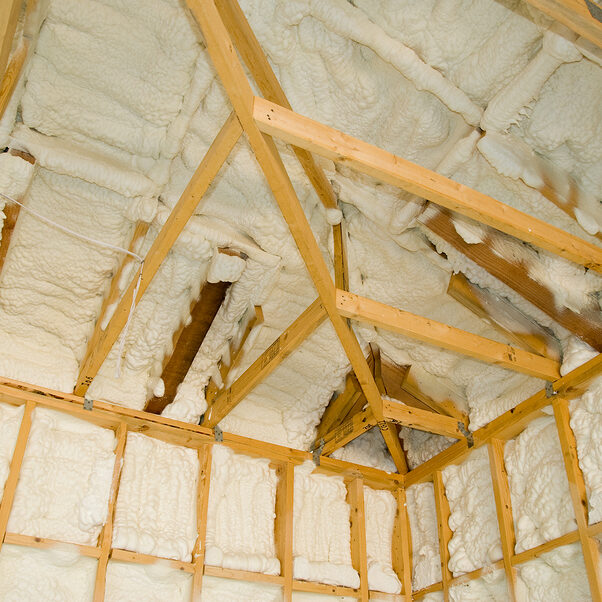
317, 452
550, 390
469, 438
218, 434
88, 404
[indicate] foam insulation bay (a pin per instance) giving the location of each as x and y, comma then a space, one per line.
218, 590
10, 421
155, 512
240, 519
65, 479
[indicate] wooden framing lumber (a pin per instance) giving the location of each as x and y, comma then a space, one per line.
45, 543
11, 76
504, 317
106, 537
198, 553
512, 422
357, 517
589, 544
587, 325
283, 526
402, 545
10, 486
11, 211
444, 336
503, 505
266, 363
443, 528
9, 15
233, 78
422, 420
197, 187
575, 15
315, 137
347, 431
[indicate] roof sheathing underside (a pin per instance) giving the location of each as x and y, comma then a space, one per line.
118, 132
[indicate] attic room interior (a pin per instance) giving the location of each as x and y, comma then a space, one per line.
300, 300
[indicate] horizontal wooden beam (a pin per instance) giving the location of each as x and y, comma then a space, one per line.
386, 167
178, 218
348, 430
422, 420
266, 363
575, 15
502, 264
504, 317
444, 336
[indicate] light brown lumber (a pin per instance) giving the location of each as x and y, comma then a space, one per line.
503, 505
106, 537
444, 336
44, 543
202, 507
512, 422
139, 558
11, 211
233, 78
323, 588
501, 264
504, 317
544, 548
591, 554
357, 517
422, 420
341, 267
266, 363
480, 572
366, 158
575, 15
402, 545
15, 468
238, 575
9, 15
435, 587
11, 76
347, 431
444, 531
283, 525
199, 184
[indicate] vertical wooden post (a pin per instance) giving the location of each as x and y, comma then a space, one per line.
445, 533
283, 525
503, 505
106, 536
203, 486
9, 15
568, 444
402, 545
15, 468
341, 269
359, 558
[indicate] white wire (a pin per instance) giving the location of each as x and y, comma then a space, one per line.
100, 243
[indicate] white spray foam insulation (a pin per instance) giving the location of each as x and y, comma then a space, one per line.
369, 449
127, 582
426, 562
541, 502
476, 540
10, 421
489, 588
380, 507
65, 479
57, 575
155, 511
586, 422
321, 529
556, 576
220, 590
240, 519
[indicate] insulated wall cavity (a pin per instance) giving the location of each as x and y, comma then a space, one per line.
476, 540
321, 529
10, 421
150, 583
65, 479
541, 502
489, 588
380, 508
155, 511
426, 561
240, 519
31, 575
222, 590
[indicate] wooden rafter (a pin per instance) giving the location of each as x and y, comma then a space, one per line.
9, 15
504, 317
233, 78
102, 340
368, 159
187, 341
266, 363
347, 431
444, 336
587, 325
11, 76
575, 15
